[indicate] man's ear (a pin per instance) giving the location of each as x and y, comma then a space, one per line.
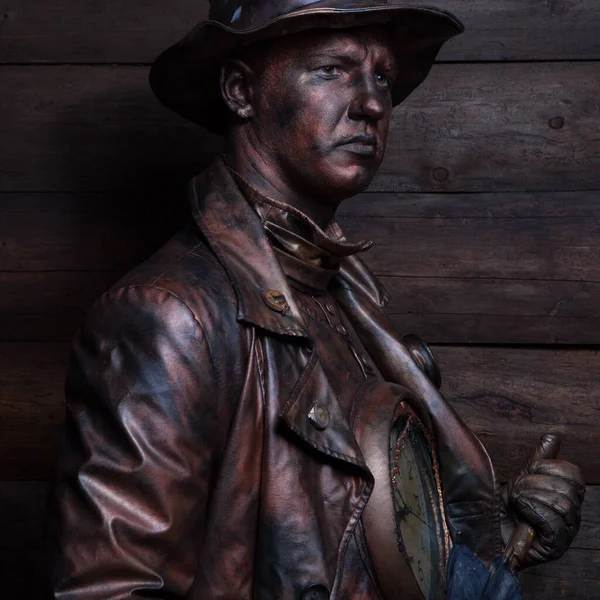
236, 87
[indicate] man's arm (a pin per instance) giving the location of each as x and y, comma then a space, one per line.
146, 417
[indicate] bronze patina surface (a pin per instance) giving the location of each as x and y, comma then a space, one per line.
231, 400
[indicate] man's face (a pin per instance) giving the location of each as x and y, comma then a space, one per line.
322, 108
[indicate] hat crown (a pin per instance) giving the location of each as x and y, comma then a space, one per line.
245, 14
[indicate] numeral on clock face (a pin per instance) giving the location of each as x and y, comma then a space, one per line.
420, 524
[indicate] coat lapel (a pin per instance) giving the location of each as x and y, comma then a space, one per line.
313, 391
235, 235
468, 477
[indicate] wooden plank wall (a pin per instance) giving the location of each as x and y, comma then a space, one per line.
485, 216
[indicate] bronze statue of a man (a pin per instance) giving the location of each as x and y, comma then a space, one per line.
243, 419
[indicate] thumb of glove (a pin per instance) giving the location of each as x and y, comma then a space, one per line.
518, 546
547, 448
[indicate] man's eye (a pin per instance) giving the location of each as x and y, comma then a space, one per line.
383, 81
329, 71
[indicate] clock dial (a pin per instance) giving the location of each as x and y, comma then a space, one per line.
421, 529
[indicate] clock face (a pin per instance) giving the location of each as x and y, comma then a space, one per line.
421, 529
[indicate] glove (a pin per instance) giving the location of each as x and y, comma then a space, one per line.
547, 495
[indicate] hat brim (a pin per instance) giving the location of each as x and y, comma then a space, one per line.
185, 77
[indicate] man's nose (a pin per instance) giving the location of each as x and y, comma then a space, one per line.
368, 103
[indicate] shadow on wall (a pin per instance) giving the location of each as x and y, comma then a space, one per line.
119, 139
105, 133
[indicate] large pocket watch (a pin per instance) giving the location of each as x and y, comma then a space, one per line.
404, 521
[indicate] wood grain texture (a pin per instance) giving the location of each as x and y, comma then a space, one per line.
76, 241
49, 305
565, 249
473, 268
92, 129
576, 576
502, 127
22, 508
31, 408
496, 311
469, 128
510, 397
474, 238
135, 31
369, 205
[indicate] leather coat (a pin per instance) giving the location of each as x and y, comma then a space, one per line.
190, 468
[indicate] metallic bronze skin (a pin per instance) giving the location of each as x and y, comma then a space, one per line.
207, 455
185, 76
191, 467
311, 116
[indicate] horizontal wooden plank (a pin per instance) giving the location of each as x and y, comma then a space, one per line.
48, 306
369, 205
478, 329
556, 249
576, 576
559, 249
502, 127
516, 225
588, 537
51, 293
77, 241
31, 408
471, 127
508, 396
365, 206
511, 397
496, 311
22, 509
128, 203
486, 269
93, 129
136, 31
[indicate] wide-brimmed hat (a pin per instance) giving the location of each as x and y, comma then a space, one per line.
185, 77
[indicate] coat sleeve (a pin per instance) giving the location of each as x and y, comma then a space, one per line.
147, 414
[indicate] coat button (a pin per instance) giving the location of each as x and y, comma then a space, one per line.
276, 301
364, 359
315, 592
319, 416
341, 329
423, 356
330, 307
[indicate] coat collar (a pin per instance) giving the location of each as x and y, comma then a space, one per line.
235, 234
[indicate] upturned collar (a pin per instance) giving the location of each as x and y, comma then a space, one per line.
308, 255
235, 234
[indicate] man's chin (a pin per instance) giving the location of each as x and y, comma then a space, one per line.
353, 179
337, 180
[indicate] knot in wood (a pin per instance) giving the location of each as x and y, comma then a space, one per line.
441, 174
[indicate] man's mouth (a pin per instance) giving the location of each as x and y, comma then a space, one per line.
364, 145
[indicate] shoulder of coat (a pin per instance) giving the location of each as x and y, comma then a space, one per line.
186, 268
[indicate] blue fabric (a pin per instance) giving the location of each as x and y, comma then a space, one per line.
469, 579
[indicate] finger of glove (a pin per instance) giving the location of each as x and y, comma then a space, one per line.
549, 505
562, 469
548, 447
549, 490
540, 553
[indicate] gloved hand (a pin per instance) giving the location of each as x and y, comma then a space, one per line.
546, 494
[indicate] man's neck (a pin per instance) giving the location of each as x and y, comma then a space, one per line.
264, 178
